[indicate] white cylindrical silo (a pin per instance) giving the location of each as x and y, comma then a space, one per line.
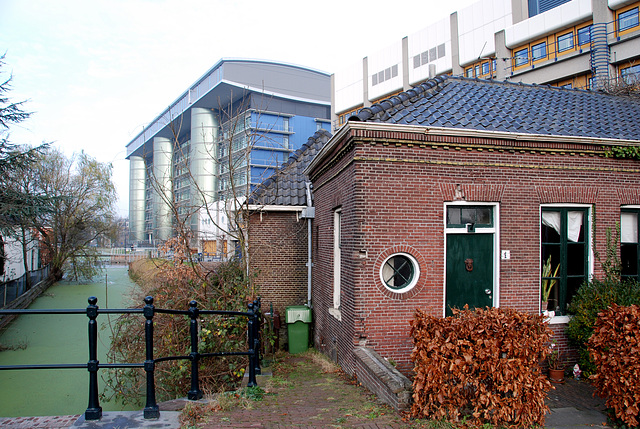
203, 157
163, 195
136, 199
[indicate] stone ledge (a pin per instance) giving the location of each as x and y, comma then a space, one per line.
381, 378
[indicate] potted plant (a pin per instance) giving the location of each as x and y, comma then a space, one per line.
556, 364
548, 283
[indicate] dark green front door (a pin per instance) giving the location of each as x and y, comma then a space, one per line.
469, 271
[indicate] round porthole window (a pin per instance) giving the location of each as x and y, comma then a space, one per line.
400, 272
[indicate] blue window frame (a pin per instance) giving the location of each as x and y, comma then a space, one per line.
485, 68
631, 74
584, 35
539, 51
522, 57
565, 42
539, 6
628, 19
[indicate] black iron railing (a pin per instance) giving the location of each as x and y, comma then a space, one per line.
151, 410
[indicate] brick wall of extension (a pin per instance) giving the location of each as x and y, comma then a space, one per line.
278, 257
392, 188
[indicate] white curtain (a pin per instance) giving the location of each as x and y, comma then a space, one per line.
629, 228
575, 225
552, 220
575, 219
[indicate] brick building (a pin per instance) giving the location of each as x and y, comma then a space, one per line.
456, 192
279, 228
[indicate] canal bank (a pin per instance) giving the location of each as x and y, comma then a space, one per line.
59, 339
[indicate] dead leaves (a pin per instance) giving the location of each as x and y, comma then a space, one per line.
480, 366
615, 348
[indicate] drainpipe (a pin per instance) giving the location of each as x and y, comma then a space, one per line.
309, 213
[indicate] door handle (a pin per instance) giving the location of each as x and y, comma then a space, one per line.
487, 291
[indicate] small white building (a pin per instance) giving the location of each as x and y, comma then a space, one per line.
12, 251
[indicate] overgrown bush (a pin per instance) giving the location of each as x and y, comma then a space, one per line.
223, 287
592, 298
615, 347
480, 366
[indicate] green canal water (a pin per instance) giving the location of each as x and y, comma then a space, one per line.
57, 339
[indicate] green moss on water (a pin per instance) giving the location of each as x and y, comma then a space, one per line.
59, 339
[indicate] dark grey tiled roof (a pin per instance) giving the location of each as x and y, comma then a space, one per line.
457, 102
286, 186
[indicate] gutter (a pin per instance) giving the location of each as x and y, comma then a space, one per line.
309, 213
459, 132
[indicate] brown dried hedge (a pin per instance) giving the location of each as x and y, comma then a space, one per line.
615, 348
480, 366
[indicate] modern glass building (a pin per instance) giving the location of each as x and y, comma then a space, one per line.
225, 134
586, 44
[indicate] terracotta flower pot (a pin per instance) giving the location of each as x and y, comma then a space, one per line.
556, 375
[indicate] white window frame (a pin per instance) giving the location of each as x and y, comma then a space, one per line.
337, 262
414, 279
628, 207
590, 263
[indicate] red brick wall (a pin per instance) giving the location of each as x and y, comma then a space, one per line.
334, 337
392, 189
278, 256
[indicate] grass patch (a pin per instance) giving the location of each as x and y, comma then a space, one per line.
195, 413
319, 359
242, 398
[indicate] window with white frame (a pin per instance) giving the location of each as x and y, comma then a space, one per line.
629, 242
337, 250
564, 236
400, 272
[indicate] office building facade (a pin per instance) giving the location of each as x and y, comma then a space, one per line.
224, 135
588, 44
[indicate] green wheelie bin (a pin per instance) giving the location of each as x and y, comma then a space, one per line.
298, 319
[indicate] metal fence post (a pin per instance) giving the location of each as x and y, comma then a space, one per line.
195, 393
94, 410
252, 344
151, 410
256, 335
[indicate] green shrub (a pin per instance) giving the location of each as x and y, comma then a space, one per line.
592, 298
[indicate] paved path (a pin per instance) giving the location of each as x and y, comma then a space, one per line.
573, 405
307, 393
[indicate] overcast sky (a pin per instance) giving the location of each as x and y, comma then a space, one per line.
96, 71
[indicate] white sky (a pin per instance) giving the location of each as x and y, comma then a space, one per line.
96, 71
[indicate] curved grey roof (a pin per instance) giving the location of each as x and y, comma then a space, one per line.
286, 187
230, 80
476, 104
